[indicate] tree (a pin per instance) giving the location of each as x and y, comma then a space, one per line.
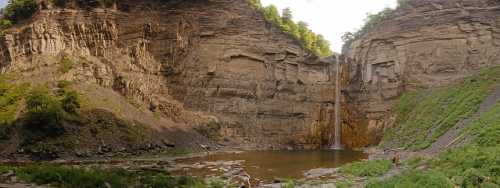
18, 10
299, 31
287, 15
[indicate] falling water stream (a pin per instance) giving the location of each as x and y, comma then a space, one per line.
337, 145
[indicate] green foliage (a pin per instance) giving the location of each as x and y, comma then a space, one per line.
71, 102
11, 96
17, 10
73, 177
59, 3
95, 3
470, 166
371, 21
413, 179
344, 184
211, 130
423, 116
4, 24
107, 3
486, 130
317, 44
289, 184
367, 168
77, 177
44, 113
65, 65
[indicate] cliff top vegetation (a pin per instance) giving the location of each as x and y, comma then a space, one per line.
315, 43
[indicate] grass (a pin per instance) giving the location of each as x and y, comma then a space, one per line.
344, 184
413, 179
11, 100
477, 162
474, 164
423, 116
79, 177
11, 96
367, 168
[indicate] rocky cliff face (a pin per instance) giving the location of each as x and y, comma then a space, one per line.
426, 43
189, 60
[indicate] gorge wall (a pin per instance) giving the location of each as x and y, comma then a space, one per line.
422, 44
192, 61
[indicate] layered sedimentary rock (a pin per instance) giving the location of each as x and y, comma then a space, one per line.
425, 43
188, 60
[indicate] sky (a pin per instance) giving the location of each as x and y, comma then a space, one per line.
3, 3
331, 18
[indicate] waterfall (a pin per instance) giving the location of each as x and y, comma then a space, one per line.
337, 145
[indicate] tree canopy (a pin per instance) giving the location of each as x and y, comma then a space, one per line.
300, 31
371, 21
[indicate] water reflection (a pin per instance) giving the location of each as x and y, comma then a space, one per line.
267, 165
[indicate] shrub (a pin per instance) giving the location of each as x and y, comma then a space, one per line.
65, 65
211, 130
18, 10
44, 113
4, 24
107, 3
367, 168
71, 102
289, 184
59, 3
73, 177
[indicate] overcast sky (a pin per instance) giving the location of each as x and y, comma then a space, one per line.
3, 3
330, 18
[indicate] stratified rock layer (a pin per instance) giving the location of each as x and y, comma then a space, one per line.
426, 43
188, 60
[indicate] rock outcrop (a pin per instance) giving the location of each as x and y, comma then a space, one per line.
425, 43
189, 60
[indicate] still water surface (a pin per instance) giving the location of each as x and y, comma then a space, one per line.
267, 165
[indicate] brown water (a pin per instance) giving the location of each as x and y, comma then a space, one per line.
267, 165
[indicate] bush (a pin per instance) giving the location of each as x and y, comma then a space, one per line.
59, 3
44, 113
18, 10
71, 102
65, 65
4, 24
73, 177
367, 168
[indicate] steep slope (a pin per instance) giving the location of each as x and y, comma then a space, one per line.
422, 44
212, 66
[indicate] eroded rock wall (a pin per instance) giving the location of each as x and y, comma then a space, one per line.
426, 43
187, 60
